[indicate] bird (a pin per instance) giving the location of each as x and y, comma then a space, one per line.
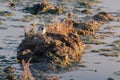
41, 30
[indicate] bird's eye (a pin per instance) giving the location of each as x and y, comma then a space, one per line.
42, 28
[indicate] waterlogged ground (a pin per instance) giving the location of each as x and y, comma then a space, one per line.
101, 59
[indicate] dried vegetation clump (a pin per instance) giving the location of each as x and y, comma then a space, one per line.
88, 27
60, 45
103, 17
44, 7
63, 27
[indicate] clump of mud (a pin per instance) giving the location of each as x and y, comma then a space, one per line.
44, 7
59, 46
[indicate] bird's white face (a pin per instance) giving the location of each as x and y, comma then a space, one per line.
40, 29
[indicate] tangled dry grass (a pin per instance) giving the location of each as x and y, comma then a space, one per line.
27, 75
63, 27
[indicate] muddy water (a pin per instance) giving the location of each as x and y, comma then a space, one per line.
93, 67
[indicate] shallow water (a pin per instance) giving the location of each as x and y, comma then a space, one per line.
111, 5
104, 66
97, 67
